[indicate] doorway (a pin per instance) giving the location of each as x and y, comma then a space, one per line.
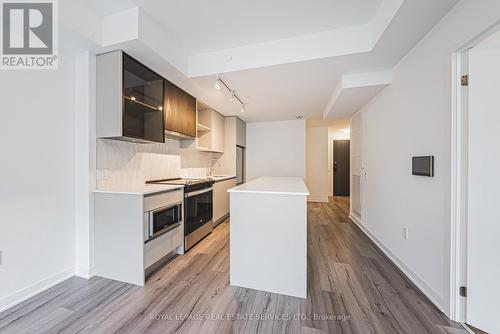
341, 167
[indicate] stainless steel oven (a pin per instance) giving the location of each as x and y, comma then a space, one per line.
164, 219
198, 208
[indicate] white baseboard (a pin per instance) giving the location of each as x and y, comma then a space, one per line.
412, 276
28, 292
84, 272
318, 199
467, 328
355, 217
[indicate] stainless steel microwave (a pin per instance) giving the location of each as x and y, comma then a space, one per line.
164, 219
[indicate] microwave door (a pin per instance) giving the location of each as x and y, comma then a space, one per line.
164, 219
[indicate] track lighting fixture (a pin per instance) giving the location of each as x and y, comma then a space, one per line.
233, 96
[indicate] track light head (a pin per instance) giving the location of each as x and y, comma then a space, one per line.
218, 82
232, 96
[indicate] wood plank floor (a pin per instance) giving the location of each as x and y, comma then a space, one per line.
353, 288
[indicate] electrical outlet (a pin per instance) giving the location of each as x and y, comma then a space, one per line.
405, 233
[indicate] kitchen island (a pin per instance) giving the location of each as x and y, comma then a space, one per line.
268, 235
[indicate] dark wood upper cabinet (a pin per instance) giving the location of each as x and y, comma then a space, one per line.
129, 99
180, 112
135, 103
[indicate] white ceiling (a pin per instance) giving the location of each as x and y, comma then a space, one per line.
204, 26
355, 91
107, 7
305, 88
354, 99
284, 57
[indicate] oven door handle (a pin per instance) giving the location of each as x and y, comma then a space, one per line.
194, 193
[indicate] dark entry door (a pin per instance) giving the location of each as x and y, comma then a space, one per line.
341, 167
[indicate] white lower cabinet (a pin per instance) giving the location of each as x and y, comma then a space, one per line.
221, 199
157, 248
121, 230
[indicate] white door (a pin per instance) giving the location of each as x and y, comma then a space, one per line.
483, 263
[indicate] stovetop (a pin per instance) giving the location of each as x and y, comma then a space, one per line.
189, 184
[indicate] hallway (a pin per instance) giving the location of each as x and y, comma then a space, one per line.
352, 289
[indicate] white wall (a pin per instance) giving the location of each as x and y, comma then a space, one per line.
413, 117
317, 163
37, 231
276, 149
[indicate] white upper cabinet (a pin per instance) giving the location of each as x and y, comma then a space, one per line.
241, 133
218, 129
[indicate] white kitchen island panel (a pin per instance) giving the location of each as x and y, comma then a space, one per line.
268, 236
122, 250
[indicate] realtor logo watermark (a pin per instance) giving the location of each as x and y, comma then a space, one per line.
29, 35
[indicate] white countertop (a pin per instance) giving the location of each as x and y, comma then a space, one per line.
273, 185
145, 189
149, 189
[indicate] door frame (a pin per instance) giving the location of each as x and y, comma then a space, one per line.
459, 177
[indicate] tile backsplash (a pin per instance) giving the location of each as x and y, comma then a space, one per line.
121, 164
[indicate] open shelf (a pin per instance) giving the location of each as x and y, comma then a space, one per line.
209, 130
202, 128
